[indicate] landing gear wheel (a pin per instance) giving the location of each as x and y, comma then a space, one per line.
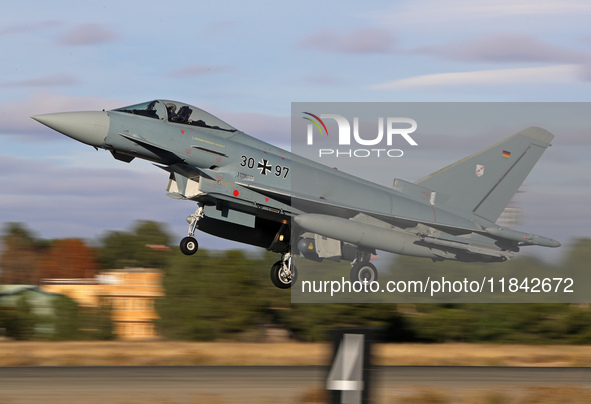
363, 271
281, 277
189, 246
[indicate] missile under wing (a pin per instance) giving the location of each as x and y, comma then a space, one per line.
244, 191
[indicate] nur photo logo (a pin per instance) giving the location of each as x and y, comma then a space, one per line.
388, 129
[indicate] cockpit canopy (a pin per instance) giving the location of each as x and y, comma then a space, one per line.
177, 112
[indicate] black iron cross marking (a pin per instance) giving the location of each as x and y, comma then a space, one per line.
264, 166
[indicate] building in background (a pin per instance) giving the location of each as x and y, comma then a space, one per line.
131, 293
39, 303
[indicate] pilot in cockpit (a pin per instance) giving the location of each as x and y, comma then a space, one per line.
171, 111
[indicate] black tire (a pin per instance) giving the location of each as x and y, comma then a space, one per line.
364, 271
279, 279
189, 246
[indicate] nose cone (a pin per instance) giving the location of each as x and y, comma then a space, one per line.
87, 127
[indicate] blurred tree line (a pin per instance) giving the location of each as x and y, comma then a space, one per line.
227, 295
68, 321
27, 260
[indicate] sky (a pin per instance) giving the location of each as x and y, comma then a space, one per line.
246, 62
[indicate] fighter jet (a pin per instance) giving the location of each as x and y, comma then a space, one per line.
243, 190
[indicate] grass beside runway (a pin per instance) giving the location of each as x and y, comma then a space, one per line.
172, 353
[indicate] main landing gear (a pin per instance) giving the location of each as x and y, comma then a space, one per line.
363, 270
284, 272
189, 244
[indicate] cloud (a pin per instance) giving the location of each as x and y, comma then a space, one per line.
87, 34
504, 48
56, 80
81, 201
528, 75
570, 65
324, 80
459, 14
81, 182
197, 70
29, 27
363, 41
585, 73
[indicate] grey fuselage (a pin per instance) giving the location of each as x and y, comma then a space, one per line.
254, 192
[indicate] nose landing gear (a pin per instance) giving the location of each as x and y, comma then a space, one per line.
189, 244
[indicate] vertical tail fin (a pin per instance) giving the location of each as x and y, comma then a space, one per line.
485, 182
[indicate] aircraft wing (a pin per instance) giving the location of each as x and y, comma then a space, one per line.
309, 205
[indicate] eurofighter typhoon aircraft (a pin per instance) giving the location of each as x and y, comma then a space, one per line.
242, 187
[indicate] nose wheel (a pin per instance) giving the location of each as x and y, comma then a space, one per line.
189, 244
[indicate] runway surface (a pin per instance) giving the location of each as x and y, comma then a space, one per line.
253, 384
